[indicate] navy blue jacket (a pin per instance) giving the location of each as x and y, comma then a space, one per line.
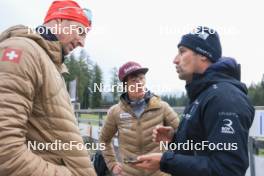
220, 114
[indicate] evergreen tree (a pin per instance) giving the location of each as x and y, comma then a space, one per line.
114, 82
79, 67
97, 79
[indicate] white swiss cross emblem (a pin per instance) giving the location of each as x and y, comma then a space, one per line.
11, 55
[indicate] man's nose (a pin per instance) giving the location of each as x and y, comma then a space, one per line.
176, 60
81, 42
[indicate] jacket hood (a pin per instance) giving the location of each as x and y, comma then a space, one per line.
225, 70
52, 48
228, 66
124, 97
152, 100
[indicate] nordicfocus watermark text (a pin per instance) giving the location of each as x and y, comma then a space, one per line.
58, 29
189, 145
123, 87
58, 145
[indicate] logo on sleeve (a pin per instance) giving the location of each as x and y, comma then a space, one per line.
125, 115
11, 55
227, 128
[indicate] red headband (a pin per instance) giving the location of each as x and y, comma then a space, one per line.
67, 9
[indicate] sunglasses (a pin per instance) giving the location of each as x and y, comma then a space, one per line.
86, 12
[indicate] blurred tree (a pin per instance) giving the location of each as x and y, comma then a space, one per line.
114, 82
256, 93
80, 68
97, 94
173, 100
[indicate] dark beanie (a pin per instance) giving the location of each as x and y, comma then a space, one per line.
204, 41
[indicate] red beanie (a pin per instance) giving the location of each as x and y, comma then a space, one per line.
67, 9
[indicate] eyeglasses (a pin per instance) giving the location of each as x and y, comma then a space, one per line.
86, 12
136, 77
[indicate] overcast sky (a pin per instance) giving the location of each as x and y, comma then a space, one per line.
148, 31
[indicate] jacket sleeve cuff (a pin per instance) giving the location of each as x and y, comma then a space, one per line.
111, 165
165, 159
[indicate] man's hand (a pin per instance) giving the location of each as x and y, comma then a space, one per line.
117, 170
149, 162
162, 133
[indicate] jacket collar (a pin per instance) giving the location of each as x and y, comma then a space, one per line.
152, 100
225, 70
199, 83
